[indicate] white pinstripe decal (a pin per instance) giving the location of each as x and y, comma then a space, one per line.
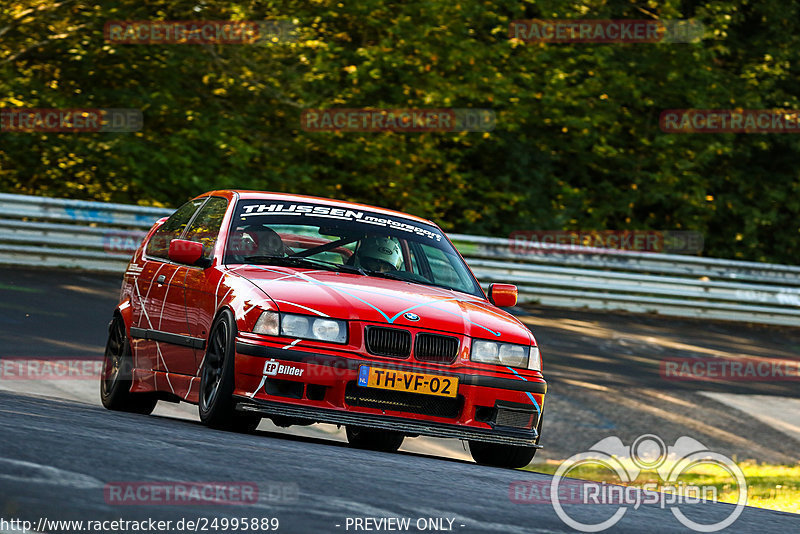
263, 380
146, 316
164, 300
191, 384
304, 307
245, 311
201, 365
252, 306
292, 344
216, 292
264, 371
296, 275
141, 304
224, 297
136, 348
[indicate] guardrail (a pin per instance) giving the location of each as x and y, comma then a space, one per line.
55, 232
675, 285
96, 236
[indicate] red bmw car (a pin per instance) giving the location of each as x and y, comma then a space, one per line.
306, 310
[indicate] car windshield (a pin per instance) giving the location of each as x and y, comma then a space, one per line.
273, 232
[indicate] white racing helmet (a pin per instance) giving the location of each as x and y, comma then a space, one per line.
379, 253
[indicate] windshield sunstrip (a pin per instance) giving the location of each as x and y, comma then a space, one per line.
335, 213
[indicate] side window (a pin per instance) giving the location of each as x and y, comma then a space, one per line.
158, 246
206, 226
441, 267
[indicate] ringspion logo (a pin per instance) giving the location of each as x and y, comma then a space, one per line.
647, 453
397, 120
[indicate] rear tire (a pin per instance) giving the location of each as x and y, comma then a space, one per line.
117, 377
374, 440
216, 406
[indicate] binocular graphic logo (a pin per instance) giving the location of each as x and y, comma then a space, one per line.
648, 453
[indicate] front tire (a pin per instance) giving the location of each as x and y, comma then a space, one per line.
216, 406
374, 440
496, 455
117, 377
510, 456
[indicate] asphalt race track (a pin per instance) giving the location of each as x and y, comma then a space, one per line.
57, 456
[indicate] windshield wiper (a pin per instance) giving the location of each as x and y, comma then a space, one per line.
386, 274
295, 261
392, 276
340, 266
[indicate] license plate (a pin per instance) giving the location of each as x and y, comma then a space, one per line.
443, 386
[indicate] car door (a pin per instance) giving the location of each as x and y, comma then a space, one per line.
158, 296
202, 283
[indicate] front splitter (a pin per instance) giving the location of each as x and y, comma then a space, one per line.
398, 424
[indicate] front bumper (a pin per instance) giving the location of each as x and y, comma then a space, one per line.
320, 386
399, 424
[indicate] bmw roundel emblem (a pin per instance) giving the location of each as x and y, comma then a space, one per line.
411, 316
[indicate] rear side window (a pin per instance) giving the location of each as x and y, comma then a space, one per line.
158, 246
206, 226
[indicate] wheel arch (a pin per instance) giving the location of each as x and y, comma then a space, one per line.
220, 311
124, 311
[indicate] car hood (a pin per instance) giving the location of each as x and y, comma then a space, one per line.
380, 300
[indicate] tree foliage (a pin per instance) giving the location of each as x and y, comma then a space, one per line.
577, 143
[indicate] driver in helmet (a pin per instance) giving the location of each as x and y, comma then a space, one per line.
380, 254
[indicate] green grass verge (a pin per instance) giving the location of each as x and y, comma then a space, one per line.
775, 487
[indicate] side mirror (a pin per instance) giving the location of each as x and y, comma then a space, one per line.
186, 252
503, 295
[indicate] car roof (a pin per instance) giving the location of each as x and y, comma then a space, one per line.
286, 197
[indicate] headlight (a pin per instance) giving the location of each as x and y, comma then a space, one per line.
301, 326
513, 355
295, 325
329, 330
508, 354
485, 352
